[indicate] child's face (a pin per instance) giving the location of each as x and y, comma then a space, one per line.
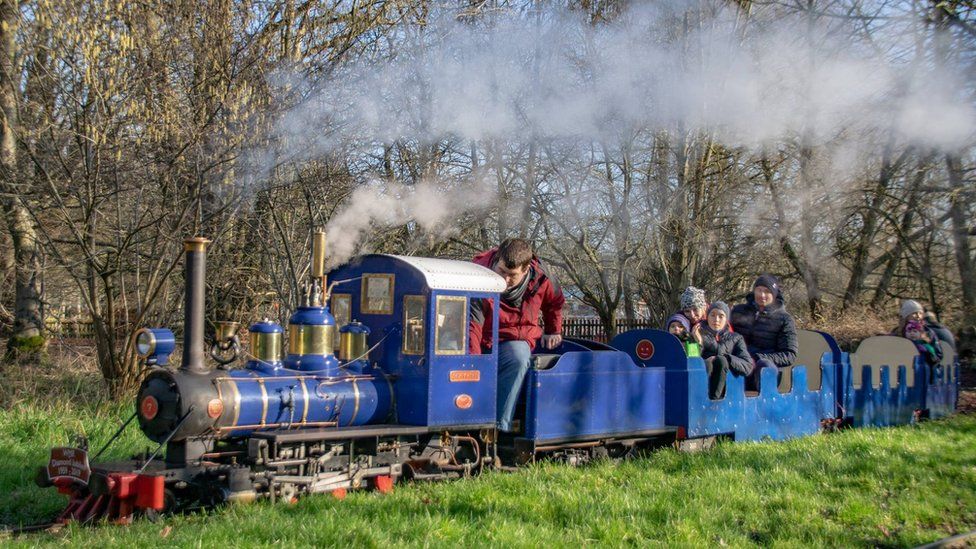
675, 328
913, 334
717, 320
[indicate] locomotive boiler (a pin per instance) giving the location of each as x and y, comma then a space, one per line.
192, 407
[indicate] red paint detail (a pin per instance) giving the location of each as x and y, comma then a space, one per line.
64, 486
149, 407
384, 484
645, 349
117, 506
150, 490
122, 485
83, 508
463, 401
215, 407
339, 494
681, 434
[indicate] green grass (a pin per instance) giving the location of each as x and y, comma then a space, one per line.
889, 487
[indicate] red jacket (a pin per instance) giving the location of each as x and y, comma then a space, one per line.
521, 323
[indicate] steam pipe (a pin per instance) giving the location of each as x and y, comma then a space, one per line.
318, 265
318, 254
196, 270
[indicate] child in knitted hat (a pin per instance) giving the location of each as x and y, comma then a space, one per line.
678, 326
925, 341
913, 310
723, 350
910, 310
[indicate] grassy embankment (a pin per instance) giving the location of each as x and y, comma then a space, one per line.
890, 487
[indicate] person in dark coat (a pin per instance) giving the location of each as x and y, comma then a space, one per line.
722, 350
769, 330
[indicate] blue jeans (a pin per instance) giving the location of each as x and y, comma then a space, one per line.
513, 364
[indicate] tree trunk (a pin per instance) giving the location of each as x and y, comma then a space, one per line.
872, 217
806, 267
892, 258
28, 321
960, 240
799, 264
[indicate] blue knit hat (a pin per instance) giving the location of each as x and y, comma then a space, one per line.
678, 317
720, 305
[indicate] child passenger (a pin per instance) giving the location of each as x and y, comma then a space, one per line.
678, 326
925, 341
723, 350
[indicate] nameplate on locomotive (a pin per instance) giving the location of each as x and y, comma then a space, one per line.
465, 375
68, 464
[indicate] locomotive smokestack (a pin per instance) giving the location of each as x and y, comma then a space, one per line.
196, 271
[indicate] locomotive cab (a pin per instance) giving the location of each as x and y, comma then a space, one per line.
417, 312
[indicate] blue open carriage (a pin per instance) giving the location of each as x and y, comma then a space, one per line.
872, 396
943, 387
795, 406
885, 382
583, 392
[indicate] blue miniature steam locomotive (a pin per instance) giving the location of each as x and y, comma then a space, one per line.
375, 382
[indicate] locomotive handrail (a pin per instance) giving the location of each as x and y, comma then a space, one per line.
179, 424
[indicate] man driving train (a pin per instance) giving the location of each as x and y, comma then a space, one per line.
530, 291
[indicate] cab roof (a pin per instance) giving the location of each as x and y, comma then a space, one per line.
450, 274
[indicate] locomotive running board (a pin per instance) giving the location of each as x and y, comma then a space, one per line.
366, 431
527, 447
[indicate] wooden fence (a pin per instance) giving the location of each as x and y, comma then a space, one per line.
592, 328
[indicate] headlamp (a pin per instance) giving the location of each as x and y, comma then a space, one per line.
154, 345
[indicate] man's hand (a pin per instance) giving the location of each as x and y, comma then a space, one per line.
551, 341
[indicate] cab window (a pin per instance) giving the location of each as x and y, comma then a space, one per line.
414, 309
377, 298
452, 324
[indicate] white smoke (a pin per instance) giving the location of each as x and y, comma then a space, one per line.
560, 77
552, 75
433, 206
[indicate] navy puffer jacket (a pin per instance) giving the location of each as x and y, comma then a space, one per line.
729, 344
770, 334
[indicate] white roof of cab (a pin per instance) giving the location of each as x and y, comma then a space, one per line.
450, 274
